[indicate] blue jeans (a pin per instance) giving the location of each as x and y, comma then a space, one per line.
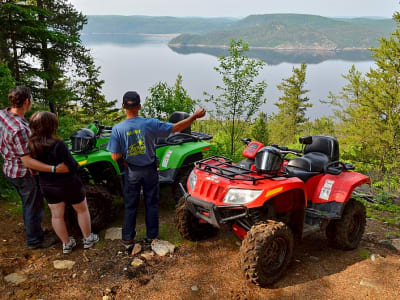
32, 206
135, 179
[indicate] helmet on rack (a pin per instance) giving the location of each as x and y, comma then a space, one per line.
268, 160
83, 140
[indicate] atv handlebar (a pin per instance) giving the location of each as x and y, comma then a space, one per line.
285, 150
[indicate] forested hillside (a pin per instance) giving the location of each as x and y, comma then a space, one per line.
294, 31
153, 25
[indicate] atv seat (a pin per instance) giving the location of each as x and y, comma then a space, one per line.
322, 151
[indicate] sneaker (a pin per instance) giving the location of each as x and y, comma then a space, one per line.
67, 248
90, 240
49, 239
128, 244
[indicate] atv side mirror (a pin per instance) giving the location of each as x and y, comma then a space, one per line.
306, 140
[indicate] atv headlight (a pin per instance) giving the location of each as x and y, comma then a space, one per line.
241, 196
192, 180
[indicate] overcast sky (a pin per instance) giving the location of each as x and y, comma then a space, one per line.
237, 8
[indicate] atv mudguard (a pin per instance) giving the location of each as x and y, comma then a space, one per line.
332, 192
172, 157
278, 187
97, 156
338, 188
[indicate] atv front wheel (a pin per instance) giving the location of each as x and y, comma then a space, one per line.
346, 233
189, 226
266, 252
181, 178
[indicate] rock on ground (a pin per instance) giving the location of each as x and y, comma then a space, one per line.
137, 262
15, 278
136, 249
162, 248
147, 255
113, 233
63, 264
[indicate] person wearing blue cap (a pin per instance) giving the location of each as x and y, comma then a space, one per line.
133, 140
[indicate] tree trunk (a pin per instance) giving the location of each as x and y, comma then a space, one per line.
14, 67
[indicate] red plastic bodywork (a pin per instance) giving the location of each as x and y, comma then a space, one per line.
336, 188
321, 188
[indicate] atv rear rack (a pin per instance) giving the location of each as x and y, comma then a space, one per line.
224, 167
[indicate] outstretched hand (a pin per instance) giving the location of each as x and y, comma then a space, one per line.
62, 168
201, 112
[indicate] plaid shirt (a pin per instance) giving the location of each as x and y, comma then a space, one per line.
14, 137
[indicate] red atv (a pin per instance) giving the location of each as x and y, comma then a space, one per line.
271, 201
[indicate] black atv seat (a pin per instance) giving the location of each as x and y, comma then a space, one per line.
317, 155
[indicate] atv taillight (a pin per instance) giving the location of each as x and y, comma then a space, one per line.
206, 148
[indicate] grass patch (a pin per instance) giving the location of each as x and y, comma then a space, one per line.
364, 253
15, 208
168, 232
392, 233
383, 210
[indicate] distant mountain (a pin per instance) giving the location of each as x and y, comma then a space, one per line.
294, 31
153, 25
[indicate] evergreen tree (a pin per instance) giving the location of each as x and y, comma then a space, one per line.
94, 104
6, 82
240, 97
259, 130
40, 40
370, 108
291, 117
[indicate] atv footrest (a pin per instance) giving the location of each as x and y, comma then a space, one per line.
213, 214
320, 214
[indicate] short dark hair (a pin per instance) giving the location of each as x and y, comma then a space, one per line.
18, 95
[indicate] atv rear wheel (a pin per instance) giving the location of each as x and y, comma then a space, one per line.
101, 206
266, 252
346, 233
101, 209
189, 226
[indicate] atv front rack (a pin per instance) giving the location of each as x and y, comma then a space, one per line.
224, 167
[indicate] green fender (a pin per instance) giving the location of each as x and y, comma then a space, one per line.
172, 157
97, 156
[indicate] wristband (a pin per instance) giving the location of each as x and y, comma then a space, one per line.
53, 169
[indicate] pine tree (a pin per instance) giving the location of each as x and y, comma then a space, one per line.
288, 122
93, 103
370, 108
40, 40
259, 130
6, 82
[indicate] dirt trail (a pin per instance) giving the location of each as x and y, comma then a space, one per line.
316, 271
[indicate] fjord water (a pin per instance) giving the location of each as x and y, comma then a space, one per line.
139, 62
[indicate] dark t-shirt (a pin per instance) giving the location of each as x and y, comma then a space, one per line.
54, 155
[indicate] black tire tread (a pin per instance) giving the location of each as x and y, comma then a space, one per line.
337, 230
189, 226
254, 245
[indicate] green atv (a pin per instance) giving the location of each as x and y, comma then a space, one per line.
103, 177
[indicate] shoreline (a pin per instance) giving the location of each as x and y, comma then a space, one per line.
268, 48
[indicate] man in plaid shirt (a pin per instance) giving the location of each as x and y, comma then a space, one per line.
14, 136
